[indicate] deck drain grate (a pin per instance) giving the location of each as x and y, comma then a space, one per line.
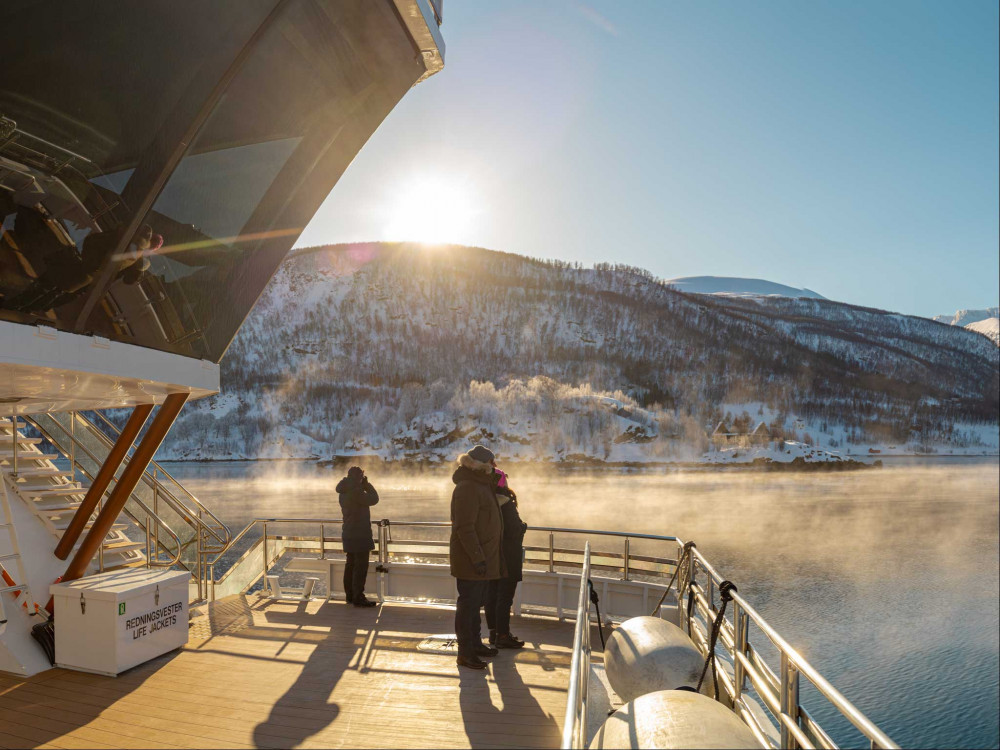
439, 644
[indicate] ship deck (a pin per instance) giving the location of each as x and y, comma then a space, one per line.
261, 673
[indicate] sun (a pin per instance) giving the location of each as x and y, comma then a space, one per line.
432, 209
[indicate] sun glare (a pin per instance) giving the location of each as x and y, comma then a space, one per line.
432, 209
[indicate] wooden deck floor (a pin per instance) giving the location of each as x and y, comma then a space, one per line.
260, 673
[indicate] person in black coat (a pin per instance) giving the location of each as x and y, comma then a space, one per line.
500, 592
356, 498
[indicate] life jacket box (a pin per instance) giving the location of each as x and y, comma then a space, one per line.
111, 622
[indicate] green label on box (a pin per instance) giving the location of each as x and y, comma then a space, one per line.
121, 608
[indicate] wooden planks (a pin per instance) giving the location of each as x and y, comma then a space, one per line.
271, 674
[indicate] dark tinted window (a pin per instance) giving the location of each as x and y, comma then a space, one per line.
312, 90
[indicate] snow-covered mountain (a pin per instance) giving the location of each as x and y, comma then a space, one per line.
965, 317
990, 327
395, 350
737, 287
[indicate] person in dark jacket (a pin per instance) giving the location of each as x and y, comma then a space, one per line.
356, 498
474, 549
500, 592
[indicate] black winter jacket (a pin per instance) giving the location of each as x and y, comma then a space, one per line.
356, 498
513, 538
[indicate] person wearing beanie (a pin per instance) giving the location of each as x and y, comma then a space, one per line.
356, 498
474, 549
500, 592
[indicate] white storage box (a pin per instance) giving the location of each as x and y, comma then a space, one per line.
111, 622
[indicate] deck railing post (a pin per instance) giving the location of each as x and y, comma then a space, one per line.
13, 442
72, 445
322, 541
789, 700
740, 624
147, 543
264, 550
625, 565
552, 552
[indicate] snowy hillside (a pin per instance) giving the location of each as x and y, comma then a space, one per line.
989, 328
398, 351
965, 317
725, 285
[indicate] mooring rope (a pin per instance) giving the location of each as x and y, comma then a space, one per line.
685, 556
726, 589
597, 607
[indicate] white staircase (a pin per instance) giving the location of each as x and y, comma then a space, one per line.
53, 496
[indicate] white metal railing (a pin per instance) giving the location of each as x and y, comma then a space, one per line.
575, 722
791, 725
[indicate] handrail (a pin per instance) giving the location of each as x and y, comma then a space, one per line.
135, 498
201, 507
792, 661
575, 721
779, 693
190, 518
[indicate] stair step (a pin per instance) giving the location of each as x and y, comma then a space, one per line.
42, 471
7, 453
55, 505
137, 564
63, 523
52, 490
122, 547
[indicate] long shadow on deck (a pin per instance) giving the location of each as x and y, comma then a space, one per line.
298, 714
481, 717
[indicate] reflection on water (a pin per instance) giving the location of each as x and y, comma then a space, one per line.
886, 580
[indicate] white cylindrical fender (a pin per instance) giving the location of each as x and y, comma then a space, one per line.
646, 654
671, 720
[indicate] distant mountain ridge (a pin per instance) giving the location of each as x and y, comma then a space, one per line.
739, 287
989, 328
965, 317
393, 350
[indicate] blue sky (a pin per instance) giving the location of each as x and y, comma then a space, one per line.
848, 147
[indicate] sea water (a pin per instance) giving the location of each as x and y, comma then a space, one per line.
886, 580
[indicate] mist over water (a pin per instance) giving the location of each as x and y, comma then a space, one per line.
886, 580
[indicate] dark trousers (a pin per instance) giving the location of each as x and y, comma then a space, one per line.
355, 573
499, 600
467, 623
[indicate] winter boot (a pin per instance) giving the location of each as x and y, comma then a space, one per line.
506, 640
483, 650
363, 602
471, 661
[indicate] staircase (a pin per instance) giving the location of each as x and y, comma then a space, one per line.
176, 523
53, 496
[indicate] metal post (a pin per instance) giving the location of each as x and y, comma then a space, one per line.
552, 552
789, 700
72, 445
625, 565
156, 508
740, 623
147, 542
13, 441
198, 553
211, 573
264, 549
710, 592
322, 541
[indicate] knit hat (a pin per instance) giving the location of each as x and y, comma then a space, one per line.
356, 472
482, 454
